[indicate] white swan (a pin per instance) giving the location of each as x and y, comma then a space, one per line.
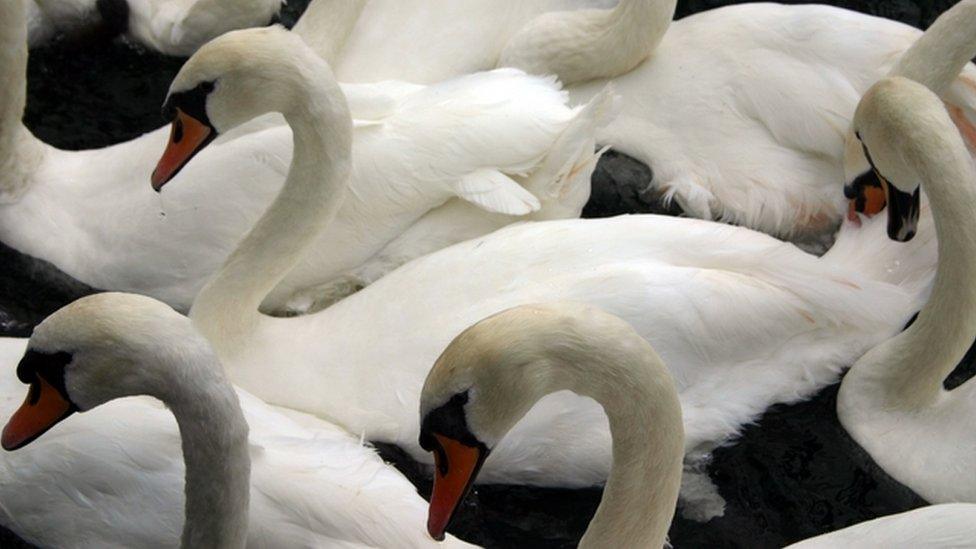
740, 111
113, 476
475, 136
892, 401
494, 372
691, 287
173, 27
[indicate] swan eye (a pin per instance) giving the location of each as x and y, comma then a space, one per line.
441, 463
36, 367
34, 393
35, 364
177, 130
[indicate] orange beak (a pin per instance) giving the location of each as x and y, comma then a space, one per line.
452, 481
869, 199
187, 137
43, 408
874, 199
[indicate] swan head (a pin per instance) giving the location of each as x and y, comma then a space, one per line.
488, 378
232, 79
862, 187
884, 126
93, 351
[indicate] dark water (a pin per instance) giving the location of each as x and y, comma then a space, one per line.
792, 475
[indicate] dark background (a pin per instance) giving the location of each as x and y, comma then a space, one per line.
793, 475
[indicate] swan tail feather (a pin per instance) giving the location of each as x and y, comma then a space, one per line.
562, 180
496, 192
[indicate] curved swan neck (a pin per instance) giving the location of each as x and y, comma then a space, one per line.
941, 53
327, 24
227, 306
645, 423
215, 449
16, 160
913, 366
583, 45
634, 387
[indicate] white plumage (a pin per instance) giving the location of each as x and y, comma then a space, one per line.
935, 526
503, 364
741, 111
893, 402
113, 476
173, 27
93, 214
743, 320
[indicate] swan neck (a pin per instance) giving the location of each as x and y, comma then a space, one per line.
16, 160
636, 391
326, 25
940, 54
227, 307
214, 435
583, 45
633, 31
917, 361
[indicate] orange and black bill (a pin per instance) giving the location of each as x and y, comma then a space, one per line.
456, 466
43, 408
187, 137
866, 194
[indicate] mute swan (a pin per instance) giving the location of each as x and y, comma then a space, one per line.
892, 401
81, 212
173, 27
114, 476
494, 372
690, 286
740, 111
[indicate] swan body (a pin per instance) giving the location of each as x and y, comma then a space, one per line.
422, 147
113, 476
741, 111
892, 401
173, 27
496, 370
690, 287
